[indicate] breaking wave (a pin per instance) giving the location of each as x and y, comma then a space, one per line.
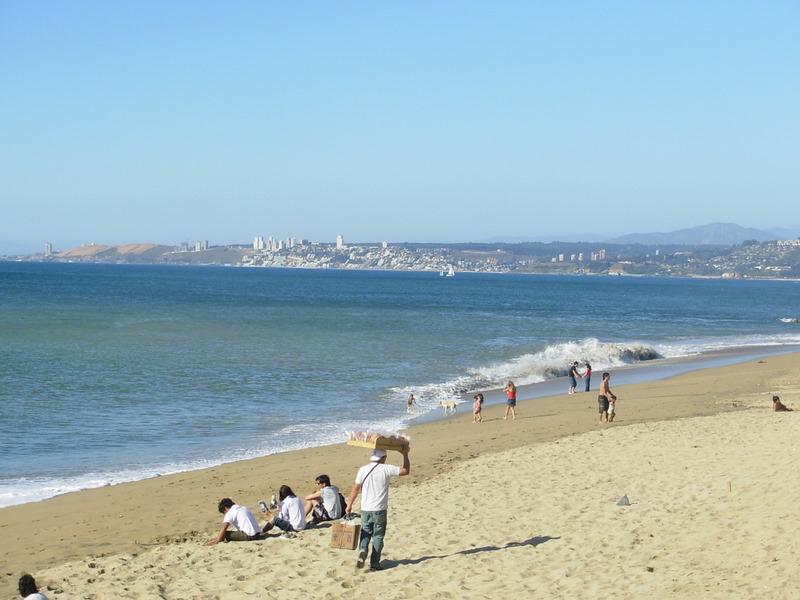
550, 363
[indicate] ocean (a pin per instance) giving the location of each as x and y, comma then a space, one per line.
112, 373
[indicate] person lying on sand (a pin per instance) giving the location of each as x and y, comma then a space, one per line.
779, 406
245, 524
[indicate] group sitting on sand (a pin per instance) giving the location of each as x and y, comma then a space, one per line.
326, 504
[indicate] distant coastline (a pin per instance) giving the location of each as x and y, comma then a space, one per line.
554, 272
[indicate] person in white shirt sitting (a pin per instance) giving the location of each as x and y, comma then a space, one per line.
325, 503
245, 524
291, 514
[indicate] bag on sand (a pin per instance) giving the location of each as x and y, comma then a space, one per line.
344, 535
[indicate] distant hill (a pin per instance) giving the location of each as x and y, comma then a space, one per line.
150, 253
717, 234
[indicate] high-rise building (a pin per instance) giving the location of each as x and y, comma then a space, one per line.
198, 246
48, 249
339, 242
384, 245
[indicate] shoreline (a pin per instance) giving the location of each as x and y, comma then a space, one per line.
129, 516
642, 372
338, 269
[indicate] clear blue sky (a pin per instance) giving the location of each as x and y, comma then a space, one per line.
170, 121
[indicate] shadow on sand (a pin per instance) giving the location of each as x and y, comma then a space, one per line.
533, 542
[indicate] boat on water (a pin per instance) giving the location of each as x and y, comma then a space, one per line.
450, 272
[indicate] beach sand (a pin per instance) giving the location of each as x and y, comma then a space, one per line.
491, 509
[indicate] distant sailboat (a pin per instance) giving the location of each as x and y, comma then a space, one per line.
450, 271
441, 273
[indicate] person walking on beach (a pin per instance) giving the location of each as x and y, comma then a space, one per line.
477, 406
372, 482
573, 377
587, 375
245, 524
511, 400
606, 400
410, 402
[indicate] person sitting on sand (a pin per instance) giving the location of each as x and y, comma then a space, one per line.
477, 406
326, 503
28, 589
291, 516
779, 406
245, 524
511, 400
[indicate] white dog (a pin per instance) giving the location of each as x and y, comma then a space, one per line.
448, 406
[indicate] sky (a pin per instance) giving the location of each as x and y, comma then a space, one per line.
165, 122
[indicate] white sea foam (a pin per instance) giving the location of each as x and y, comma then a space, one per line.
553, 362
550, 363
291, 437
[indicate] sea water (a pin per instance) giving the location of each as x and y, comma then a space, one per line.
112, 373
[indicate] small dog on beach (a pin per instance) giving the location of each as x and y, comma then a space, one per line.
448, 406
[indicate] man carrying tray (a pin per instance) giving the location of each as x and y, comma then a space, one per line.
372, 481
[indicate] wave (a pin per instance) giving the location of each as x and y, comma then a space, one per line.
789, 319
297, 436
550, 363
553, 362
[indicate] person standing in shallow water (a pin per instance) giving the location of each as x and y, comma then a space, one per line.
587, 375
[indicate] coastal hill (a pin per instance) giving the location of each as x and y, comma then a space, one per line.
150, 253
716, 234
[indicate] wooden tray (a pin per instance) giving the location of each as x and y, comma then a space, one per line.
381, 443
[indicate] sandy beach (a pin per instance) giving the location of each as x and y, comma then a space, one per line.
491, 509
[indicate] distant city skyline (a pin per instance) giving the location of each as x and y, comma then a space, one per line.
454, 122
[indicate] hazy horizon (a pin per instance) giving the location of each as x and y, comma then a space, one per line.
163, 123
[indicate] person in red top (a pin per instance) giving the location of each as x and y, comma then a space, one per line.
511, 400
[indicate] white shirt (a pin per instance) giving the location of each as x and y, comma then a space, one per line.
36, 596
374, 481
241, 518
292, 511
330, 500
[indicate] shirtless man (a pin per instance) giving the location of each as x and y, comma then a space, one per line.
606, 400
410, 402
